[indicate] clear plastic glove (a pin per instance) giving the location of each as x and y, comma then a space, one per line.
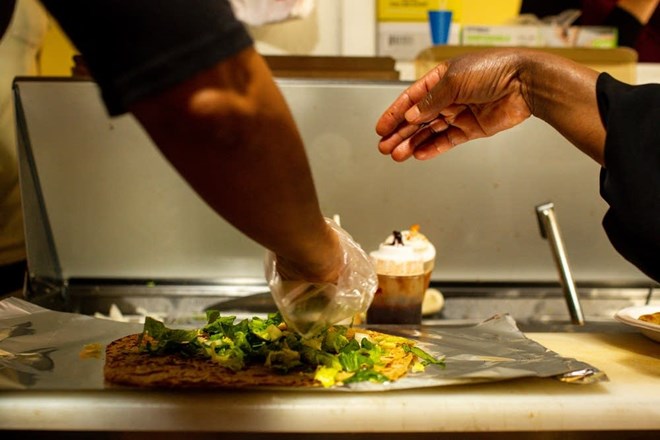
309, 307
260, 12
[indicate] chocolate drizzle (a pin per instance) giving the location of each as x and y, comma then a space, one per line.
397, 239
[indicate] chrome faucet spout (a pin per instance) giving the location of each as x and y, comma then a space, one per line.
550, 231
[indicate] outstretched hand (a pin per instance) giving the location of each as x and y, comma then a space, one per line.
470, 97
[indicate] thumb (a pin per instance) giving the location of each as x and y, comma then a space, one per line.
432, 104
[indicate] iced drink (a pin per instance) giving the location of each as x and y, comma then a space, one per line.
403, 263
422, 247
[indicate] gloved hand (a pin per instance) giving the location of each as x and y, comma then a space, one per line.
310, 307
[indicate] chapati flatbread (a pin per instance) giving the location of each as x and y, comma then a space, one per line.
126, 364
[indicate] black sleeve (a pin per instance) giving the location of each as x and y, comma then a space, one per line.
134, 48
6, 12
630, 180
628, 26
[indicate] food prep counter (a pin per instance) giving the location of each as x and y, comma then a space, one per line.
629, 401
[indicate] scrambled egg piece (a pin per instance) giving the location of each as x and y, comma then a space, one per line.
653, 318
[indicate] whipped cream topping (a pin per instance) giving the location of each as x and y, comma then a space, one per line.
404, 253
416, 240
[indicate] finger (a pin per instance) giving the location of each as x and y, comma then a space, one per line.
433, 147
402, 151
410, 137
408, 147
389, 143
439, 143
428, 131
405, 130
394, 114
438, 97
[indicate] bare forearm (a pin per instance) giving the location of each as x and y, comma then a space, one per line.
238, 146
563, 93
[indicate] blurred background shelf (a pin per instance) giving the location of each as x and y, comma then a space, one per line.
333, 67
620, 62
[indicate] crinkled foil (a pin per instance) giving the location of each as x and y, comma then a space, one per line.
43, 349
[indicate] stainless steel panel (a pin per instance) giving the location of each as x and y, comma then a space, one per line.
117, 209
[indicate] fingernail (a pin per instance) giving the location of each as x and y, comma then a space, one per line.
412, 114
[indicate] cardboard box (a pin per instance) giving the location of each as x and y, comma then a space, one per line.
404, 40
403, 28
473, 35
540, 36
580, 36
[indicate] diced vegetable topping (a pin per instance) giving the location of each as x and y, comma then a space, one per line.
336, 356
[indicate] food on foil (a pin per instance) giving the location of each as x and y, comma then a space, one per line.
653, 318
258, 352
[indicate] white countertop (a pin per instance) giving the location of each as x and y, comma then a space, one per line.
629, 401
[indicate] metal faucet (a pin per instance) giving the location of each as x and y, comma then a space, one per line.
550, 231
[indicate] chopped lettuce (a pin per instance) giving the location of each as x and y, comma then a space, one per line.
164, 340
229, 357
426, 359
355, 357
283, 360
334, 357
367, 374
334, 339
264, 329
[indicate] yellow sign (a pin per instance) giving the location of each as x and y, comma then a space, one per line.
486, 12
406, 10
489, 12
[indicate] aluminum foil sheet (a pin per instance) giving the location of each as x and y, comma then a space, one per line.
43, 349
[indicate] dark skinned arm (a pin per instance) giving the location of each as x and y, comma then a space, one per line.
230, 134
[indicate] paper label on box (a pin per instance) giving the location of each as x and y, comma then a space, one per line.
501, 36
539, 36
598, 37
579, 36
403, 41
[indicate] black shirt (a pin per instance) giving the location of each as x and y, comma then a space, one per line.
630, 181
134, 48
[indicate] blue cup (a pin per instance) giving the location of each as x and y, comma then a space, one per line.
440, 22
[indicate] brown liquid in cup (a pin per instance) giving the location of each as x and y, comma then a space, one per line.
398, 300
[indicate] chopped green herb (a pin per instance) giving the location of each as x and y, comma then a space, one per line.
424, 356
332, 355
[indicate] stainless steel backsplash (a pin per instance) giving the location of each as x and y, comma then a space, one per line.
101, 202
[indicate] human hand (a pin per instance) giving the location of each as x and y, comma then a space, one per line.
469, 97
309, 306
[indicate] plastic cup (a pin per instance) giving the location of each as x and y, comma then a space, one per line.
398, 300
440, 22
403, 263
401, 286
